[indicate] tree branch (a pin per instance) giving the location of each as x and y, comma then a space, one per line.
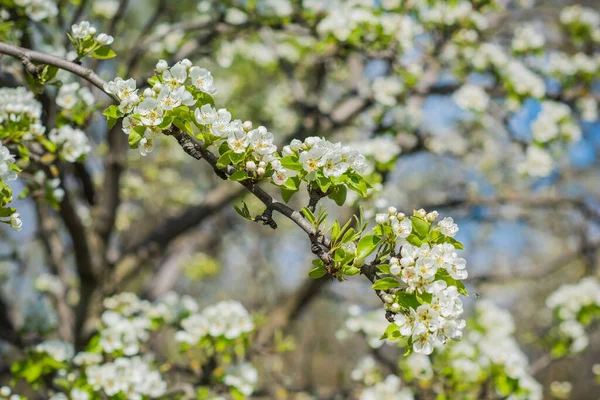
43, 58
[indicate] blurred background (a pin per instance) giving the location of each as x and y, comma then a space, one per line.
174, 227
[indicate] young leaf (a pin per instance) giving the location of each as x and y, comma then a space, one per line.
309, 215
112, 112
420, 226
135, 136
103, 53
238, 175
318, 271
338, 194
224, 160
286, 194
386, 283
366, 245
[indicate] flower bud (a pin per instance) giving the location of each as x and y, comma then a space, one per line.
295, 145
262, 164
287, 151
395, 269
310, 141
400, 215
432, 216
148, 92
105, 39
422, 213
92, 30
161, 66
395, 307
381, 218
392, 211
247, 126
388, 298
157, 87
250, 165
186, 63
260, 171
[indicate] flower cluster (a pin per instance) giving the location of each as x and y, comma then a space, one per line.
527, 40
521, 82
366, 371
390, 388
128, 377
370, 324
48, 283
588, 108
7, 161
20, 113
422, 278
537, 163
382, 149
6, 393
181, 96
572, 70
347, 17
318, 156
122, 334
243, 377
442, 13
227, 319
386, 90
69, 95
555, 122
38, 10
575, 306
472, 97
58, 350
582, 23
87, 41
72, 144
488, 353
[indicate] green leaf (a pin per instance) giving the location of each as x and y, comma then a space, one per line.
366, 246
110, 122
183, 126
153, 80
236, 157
166, 123
350, 270
457, 245
286, 194
335, 231
386, 283
407, 300
244, 211
414, 240
420, 226
385, 268
323, 182
224, 160
7, 212
318, 271
291, 162
338, 194
292, 183
135, 135
238, 175
103, 53
443, 275
392, 331
309, 215
112, 112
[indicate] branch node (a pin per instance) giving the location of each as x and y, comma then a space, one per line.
267, 218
